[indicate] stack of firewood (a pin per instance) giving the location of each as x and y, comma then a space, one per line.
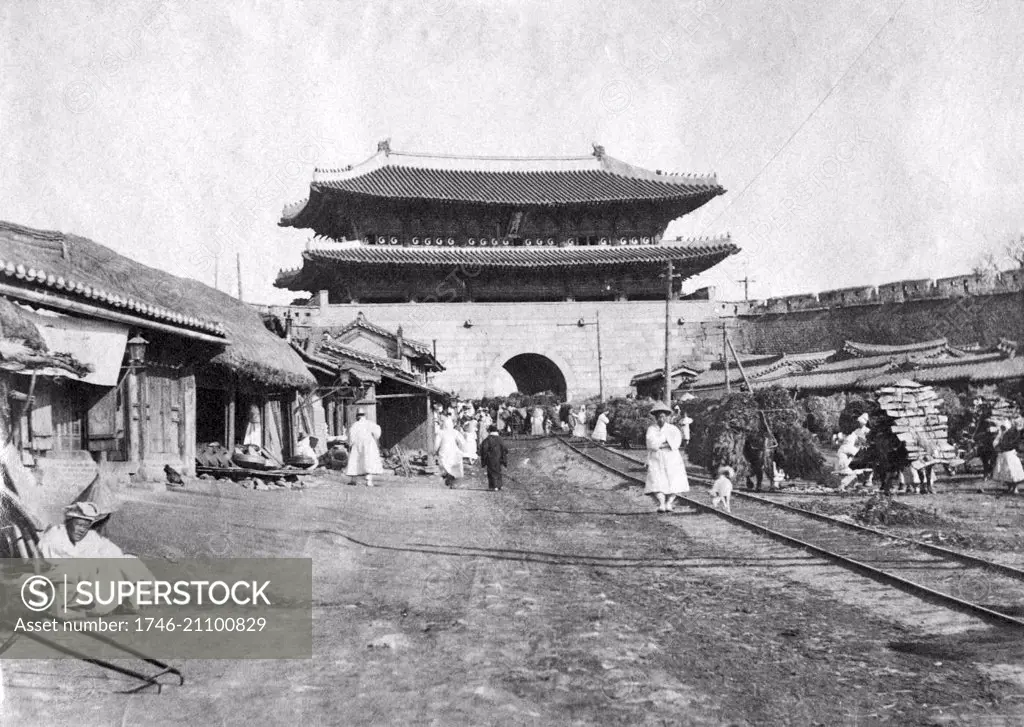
918, 422
1001, 409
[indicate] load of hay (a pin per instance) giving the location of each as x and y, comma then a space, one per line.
822, 414
628, 421
726, 431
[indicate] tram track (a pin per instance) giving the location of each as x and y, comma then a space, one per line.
991, 591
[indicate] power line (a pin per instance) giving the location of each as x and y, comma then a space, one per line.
803, 123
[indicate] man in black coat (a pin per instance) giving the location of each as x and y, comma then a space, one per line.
493, 456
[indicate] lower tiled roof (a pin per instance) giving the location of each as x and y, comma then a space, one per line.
702, 251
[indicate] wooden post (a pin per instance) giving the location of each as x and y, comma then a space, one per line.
143, 412
238, 261
187, 429
6, 425
430, 427
229, 414
668, 303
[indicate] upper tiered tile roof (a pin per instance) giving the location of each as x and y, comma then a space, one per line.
595, 178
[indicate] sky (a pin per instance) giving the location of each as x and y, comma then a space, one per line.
860, 142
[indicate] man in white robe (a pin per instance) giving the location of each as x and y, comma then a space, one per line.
364, 449
451, 448
579, 425
600, 433
537, 422
666, 474
75, 539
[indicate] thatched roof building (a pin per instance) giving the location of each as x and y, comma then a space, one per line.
73, 273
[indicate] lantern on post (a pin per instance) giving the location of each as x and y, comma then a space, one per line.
137, 351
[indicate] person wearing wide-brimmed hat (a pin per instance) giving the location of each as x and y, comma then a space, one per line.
75, 538
666, 474
62, 544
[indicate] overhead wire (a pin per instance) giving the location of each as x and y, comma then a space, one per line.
809, 116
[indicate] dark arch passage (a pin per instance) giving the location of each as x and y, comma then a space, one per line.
534, 373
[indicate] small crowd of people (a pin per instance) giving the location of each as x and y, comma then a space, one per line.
465, 433
529, 420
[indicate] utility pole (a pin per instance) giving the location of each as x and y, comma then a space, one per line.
746, 280
238, 261
600, 372
668, 314
725, 359
216, 272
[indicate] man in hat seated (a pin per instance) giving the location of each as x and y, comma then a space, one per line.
77, 539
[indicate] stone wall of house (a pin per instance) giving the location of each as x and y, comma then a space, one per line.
475, 340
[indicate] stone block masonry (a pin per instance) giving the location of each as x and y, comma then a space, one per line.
475, 340
965, 320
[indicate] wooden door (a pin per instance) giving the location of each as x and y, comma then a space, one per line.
164, 411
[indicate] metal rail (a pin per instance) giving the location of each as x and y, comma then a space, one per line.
924, 592
1007, 570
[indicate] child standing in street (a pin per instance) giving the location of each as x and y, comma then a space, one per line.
721, 489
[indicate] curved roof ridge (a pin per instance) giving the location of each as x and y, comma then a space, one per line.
490, 157
496, 164
625, 169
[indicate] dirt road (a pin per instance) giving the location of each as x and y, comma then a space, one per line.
562, 600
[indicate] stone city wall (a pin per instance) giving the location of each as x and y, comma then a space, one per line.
474, 340
901, 291
965, 320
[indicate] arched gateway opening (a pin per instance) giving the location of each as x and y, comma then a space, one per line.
534, 373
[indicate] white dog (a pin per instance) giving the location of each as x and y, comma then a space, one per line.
721, 489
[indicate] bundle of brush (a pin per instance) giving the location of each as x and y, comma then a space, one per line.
719, 432
732, 432
628, 420
796, 450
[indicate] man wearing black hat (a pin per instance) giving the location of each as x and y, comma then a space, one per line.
493, 455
